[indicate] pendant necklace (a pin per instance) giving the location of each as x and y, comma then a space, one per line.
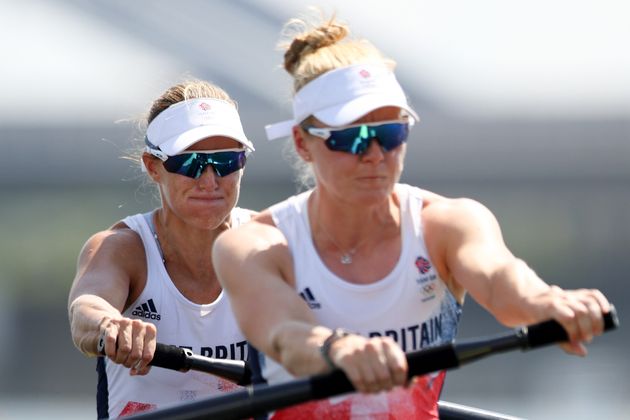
346, 256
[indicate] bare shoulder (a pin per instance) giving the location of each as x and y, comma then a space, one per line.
117, 236
455, 213
112, 265
116, 248
258, 234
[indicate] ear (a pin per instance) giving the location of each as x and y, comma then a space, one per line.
301, 145
151, 165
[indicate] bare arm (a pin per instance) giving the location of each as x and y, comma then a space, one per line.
477, 258
106, 269
255, 268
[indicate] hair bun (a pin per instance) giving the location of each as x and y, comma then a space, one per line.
309, 42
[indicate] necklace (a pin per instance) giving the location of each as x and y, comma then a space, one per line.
346, 256
153, 228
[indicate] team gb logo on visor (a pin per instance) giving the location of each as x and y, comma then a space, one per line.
204, 106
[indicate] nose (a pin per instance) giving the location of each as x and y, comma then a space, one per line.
208, 179
374, 151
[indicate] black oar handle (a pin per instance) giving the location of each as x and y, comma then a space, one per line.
552, 332
172, 357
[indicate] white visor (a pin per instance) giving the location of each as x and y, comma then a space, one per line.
342, 96
185, 123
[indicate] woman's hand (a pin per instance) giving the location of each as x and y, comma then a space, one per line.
129, 342
578, 311
371, 364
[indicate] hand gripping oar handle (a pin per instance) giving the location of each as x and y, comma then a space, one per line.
261, 399
524, 338
181, 359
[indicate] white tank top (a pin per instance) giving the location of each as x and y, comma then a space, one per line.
209, 330
411, 304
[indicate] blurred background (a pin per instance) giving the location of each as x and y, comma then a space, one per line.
525, 106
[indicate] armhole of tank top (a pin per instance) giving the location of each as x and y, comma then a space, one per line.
148, 218
415, 194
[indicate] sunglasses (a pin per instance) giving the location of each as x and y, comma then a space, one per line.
356, 138
192, 164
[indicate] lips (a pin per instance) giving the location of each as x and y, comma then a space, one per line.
207, 197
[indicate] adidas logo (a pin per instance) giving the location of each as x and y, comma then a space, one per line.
307, 295
147, 310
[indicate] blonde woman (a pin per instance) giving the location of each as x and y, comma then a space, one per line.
150, 276
359, 269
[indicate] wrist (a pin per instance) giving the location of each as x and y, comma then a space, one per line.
324, 349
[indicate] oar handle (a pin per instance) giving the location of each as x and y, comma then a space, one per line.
172, 357
549, 332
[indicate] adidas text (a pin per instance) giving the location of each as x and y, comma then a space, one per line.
147, 315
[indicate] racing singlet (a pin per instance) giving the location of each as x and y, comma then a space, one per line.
209, 330
412, 305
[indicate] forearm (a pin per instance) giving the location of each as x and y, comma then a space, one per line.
514, 288
87, 315
296, 345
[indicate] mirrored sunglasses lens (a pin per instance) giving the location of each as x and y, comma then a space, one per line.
192, 165
224, 163
187, 164
390, 136
356, 140
350, 140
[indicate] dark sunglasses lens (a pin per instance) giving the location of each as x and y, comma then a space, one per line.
349, 140
390, 136
224, 163
356, 140
192, 165
187, 164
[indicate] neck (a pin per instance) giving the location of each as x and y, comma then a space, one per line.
187, 254
344, 229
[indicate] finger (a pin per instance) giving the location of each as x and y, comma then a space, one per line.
374, 367
566, 316
140, 372
124, 342
600, 305
602, 301
150, 343
350, 355
137, 345
353, 374
396, 363
583, 322
109, 334
576, 348
369, 384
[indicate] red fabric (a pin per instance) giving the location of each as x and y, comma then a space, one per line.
134, 407
417, 401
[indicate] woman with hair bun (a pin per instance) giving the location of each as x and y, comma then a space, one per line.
361, 268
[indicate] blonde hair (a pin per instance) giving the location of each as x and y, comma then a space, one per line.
313, 46
312, 49
188, 89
